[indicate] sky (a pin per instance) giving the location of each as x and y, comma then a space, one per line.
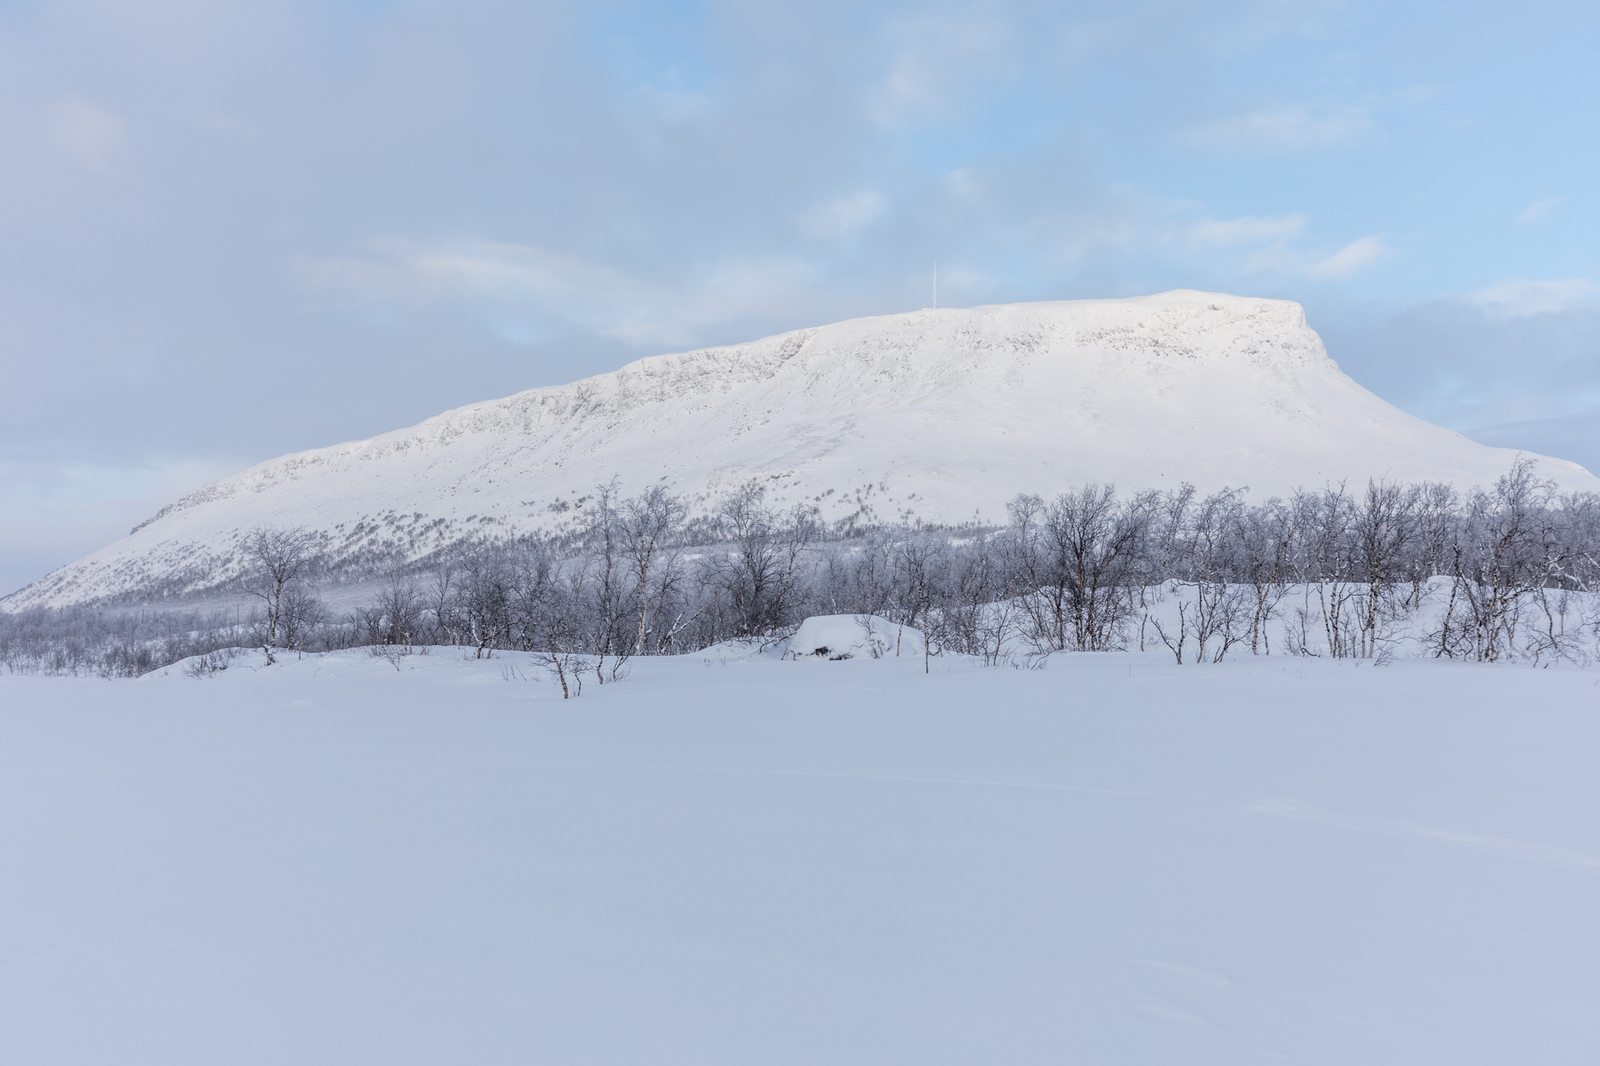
232, 231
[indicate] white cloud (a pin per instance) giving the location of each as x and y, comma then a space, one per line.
1288, 128
1524, 299
672, 101
933, 59
87, 132
507, 283
1357, 255
1291, 128
844, 215
1416, 95
1248, 230
1261, 244
965, 187
1540, 210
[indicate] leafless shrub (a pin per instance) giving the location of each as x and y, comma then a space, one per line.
209, 664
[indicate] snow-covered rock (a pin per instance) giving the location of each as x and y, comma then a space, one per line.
934, 415
854, 636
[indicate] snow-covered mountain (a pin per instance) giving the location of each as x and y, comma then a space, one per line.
937, 415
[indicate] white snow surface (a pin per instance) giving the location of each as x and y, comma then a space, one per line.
854, 636
1111, 860
938, 415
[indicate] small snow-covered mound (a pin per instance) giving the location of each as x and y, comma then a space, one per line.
854, 636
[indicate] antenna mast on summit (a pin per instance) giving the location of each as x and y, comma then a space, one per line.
936, 284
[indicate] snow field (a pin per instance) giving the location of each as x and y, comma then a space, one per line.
346, 859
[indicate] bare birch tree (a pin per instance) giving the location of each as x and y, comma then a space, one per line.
275, 559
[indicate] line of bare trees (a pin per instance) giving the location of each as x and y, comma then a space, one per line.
1332, 572
1496, 573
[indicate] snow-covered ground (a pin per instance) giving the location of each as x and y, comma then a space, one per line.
349, 860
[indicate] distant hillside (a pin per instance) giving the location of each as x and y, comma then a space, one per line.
938, 416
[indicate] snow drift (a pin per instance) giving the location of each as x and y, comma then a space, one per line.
937, 416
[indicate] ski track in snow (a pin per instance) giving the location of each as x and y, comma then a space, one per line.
1520, 850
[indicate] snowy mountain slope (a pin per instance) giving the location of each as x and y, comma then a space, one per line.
934, 415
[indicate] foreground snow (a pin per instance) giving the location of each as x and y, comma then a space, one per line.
741, 860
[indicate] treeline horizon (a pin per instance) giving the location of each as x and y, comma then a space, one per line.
1084, 571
